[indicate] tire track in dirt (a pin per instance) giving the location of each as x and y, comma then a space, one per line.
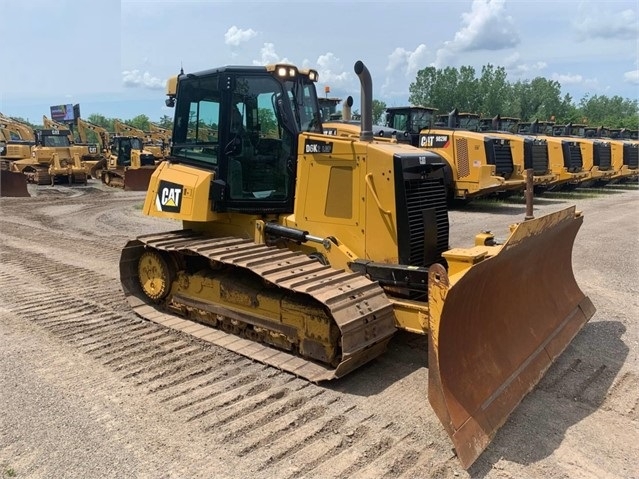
257, 411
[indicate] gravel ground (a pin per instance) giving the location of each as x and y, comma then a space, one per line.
88, 389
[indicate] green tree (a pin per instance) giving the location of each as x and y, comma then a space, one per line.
379, 107
493, 90
101, 120
166, 122
141, 122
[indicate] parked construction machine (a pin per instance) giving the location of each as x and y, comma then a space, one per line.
12, 147
101, 143
564, 154
624, 153
307, 252
152, 142
53, 160
128, 165
478, 164
89, 152
596, 153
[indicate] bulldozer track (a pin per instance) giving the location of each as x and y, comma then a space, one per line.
358, 306
374, 423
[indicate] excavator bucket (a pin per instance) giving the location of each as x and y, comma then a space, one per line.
137, 179
13, 184
496, 327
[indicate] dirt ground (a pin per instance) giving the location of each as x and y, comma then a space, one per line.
88, 389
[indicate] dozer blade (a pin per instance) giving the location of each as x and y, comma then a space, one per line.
137, 179
496, 327
13, 184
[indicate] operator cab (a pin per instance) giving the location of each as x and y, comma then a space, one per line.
242, 123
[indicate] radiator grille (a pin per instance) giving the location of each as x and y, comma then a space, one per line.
573, 161
538, 159
630, 156
602, 156
422, 194
503, 159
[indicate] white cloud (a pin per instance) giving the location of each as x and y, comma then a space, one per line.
135, 79
486, 27
269, 55
631, 77
568, 78
234, 36
409, 62
609, 25
331, 69
515, 67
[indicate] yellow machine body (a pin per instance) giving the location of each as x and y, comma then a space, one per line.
315, 279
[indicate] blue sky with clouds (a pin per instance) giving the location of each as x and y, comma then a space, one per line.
114, 56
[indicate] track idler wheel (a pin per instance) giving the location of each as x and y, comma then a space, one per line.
156, 274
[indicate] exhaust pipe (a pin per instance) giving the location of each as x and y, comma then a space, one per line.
346, 109
366, 82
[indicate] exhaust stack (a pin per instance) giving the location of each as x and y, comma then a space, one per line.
367, 101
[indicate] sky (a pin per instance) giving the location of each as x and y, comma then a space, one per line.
113, 57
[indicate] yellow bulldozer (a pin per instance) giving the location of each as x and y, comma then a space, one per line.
307, 252
54, 159
101, 142
153, 141
12, 148
90, 154
129, 165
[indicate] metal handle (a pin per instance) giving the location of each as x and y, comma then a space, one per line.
370, 187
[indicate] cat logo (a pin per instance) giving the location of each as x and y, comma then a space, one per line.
169, 197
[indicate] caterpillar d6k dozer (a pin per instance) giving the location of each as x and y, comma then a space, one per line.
129, 165
307, 252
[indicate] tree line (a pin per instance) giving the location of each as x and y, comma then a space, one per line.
491, 94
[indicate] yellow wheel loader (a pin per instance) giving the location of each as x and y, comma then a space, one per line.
624, 153
596, 153
129, 165
307, 252
529, 151
564, 154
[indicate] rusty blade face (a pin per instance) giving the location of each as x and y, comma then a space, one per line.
496, 329
137, 179
13, 184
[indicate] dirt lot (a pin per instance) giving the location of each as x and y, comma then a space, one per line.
88, 389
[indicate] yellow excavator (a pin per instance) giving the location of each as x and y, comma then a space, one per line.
102, 144
307, 252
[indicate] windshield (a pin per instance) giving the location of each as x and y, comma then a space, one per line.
304, 104
421, 119
197, 118
470, 123
56, 141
